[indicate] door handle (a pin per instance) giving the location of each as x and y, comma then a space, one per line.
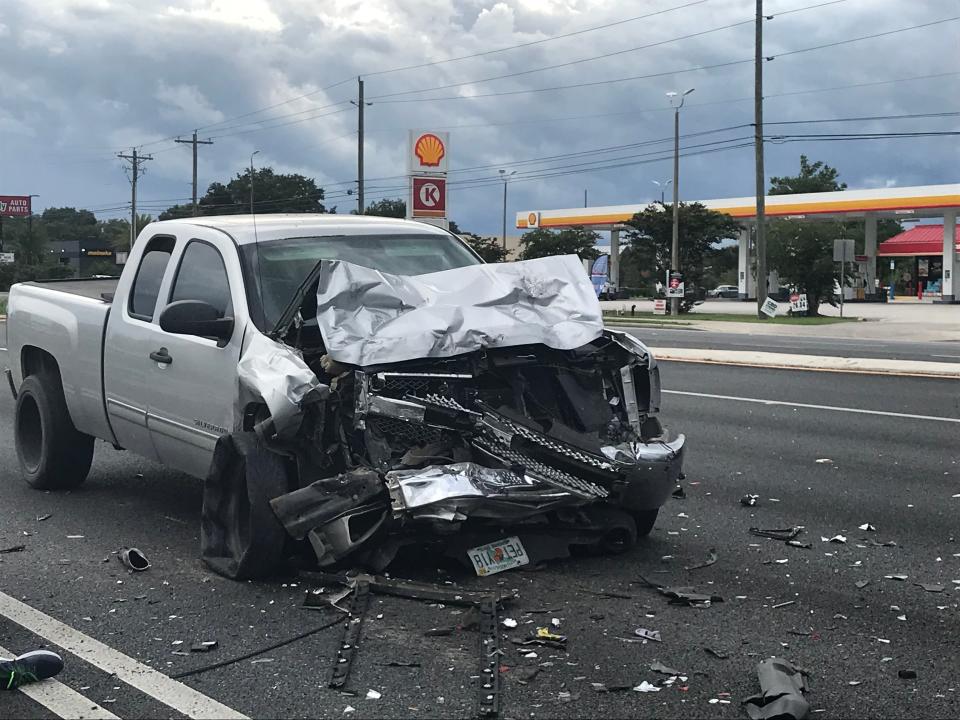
161, 356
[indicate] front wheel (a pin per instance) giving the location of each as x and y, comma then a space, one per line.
53, 454
645, 520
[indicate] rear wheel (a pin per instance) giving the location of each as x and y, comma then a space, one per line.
53, 454
645, 520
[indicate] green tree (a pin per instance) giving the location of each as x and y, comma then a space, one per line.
489, 248
67, 223
802, 251
272, 193
393, 208
544, 243
818, 177
701, 231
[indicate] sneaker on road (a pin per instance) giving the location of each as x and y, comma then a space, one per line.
29, 667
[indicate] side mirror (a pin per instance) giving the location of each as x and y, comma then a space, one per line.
195, 317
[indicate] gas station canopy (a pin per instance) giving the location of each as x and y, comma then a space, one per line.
927, 201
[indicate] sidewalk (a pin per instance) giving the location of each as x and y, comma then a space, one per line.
921, 322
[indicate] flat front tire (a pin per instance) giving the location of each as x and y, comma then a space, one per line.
53, 454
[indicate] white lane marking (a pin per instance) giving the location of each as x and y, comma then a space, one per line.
180, 697
833, 408
949, 356
61, 700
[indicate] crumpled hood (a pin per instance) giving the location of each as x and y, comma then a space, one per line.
369, 317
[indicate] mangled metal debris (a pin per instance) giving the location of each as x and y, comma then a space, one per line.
782, 688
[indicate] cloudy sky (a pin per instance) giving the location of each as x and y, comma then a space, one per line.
83, 79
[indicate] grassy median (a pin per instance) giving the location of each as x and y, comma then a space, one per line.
648, 318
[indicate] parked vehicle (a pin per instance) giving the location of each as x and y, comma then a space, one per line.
724, 291
368, 378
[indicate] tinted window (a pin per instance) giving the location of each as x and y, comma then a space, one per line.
202, 276
146, 286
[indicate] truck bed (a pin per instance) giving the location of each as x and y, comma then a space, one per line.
95, 288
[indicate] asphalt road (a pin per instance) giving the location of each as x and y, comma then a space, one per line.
898, 473
948, 352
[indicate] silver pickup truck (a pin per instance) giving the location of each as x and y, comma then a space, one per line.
373, 361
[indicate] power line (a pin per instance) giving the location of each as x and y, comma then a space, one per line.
615, 53
677, 71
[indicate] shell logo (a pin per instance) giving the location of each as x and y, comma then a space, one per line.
533, 219
429, 150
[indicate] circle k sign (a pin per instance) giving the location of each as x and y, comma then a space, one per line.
429, 197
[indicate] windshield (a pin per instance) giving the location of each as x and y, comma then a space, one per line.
278, 267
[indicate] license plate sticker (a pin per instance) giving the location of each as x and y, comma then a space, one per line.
498, 556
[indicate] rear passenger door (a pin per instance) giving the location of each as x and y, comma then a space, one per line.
193, 392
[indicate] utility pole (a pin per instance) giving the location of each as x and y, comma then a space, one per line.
584, 197
195, 142
135, 172
360, 205
506, 176
675, 243
758, 145
251, 179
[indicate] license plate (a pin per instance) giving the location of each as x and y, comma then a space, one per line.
498, 556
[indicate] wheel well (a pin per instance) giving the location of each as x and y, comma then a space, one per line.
34, 361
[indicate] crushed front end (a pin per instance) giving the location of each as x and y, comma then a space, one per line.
547, 442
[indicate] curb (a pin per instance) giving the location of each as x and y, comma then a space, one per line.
822, 363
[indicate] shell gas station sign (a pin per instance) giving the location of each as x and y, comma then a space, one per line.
428, 160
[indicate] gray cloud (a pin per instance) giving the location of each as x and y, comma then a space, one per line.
82, 79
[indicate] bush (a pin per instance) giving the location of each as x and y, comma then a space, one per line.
16, 272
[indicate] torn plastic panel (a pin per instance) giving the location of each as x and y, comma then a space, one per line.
367, 317
276, 374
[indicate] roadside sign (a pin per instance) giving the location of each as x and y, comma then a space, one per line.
7, 258
770, 307
675, 285
428, 196
14, 206
843, 250
428, 151
798, 302
659, 306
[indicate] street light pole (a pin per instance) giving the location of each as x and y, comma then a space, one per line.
675, 243
662, 186
29, 221
505, 176
251, 179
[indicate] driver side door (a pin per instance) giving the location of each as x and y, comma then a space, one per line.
194, 381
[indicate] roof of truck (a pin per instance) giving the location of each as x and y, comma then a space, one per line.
287, 225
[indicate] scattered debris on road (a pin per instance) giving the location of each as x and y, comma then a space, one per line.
777, 534
133, 559
867, 527
653, 635
711, 559
749, 500
13, 549
782, 689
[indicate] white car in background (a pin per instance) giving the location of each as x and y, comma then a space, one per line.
724, 291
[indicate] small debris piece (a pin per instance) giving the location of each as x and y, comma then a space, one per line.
399, 663
544, 633
783, 604
509, 622
874, 543
439, 632
800, 633
782, 688
868, 527
782, 534
75, 537
902, 618
899, 577
349, 709
711, 559
566, 696
204, 646
749, 500
930, 587
907, 674
854, 682
523, 675
373, 695
646, 687
13, 549
653, 635
861, 584
679, 493
45, 516
133, 559
838, 539
717, 653
824, 461
658, 667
